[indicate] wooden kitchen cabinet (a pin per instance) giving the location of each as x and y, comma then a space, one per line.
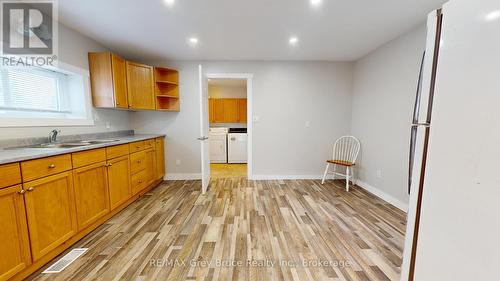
108, 76
14, 240
91, 193
151, 166
211, 110
120, 189
51, 213
160, 158
140, 86
242, 110
226, 110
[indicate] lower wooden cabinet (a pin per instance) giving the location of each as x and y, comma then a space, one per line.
160, 158
151, 166
119, 185
91, 193
14, 242
41, 215
50, 209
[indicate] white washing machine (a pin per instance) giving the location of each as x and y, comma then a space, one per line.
237, 145
218, 145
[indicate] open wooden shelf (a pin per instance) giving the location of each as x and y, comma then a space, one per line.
167, 89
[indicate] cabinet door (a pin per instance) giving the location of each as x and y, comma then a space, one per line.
119, 70
211, 108
91, 193
242, 112
160, 158
151, 165
119, 181
50, 209
14, 243
218, 105
140, 86
231, 112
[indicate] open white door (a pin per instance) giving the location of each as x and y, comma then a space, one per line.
204, 126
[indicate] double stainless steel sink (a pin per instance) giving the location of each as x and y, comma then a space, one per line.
64, 144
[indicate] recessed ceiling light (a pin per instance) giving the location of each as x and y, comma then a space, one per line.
169, 2
316, 2
193, 41
491, 16
293, 40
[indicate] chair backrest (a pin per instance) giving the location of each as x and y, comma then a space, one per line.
346, 148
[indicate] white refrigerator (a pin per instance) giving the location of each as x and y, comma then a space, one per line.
453, 229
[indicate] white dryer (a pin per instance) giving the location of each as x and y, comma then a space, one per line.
237, 145
218, 144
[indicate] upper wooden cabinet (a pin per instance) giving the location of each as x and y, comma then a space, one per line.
118, 83
140, 85
166, 89
14, 241
108, 76
228, 110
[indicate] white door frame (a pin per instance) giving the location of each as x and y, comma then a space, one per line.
249, 78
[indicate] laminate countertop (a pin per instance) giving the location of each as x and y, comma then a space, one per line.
11, 155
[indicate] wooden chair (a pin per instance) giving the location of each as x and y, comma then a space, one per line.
345, 153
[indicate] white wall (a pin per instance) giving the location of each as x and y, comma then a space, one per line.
226, 91
385, 83
286, 95
73, 49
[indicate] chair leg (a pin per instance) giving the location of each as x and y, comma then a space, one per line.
347, 179
352, 176
326, 172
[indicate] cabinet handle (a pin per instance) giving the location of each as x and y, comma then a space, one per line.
52, 166
138, 147
22, 191
108, 165
140, 181
139, 161
30, 189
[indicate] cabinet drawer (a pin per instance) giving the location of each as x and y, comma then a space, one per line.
136, 146
10, 175
137, 162
149, 144
140, 181
117, 151
39, 168
88, 157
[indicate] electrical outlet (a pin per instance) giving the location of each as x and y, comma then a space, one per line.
178, 162
256, 118
108, 125
379, 174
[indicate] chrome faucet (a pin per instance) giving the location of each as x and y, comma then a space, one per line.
53, 136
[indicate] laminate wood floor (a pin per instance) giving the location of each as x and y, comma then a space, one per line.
245, 230
218, 171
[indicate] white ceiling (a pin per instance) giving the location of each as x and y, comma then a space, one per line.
338, 30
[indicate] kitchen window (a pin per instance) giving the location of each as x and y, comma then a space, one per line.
34, 96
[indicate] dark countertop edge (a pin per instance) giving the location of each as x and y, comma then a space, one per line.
31, 154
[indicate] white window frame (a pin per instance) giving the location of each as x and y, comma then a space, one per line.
87, 120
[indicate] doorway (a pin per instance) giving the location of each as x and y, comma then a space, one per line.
229, 136
205, 123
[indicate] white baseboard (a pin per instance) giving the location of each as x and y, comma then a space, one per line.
176, 177
384, 196
289, 177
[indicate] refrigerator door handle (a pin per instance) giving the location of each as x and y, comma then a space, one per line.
416, 108
415, 124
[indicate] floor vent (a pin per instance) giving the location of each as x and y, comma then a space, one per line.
69, 258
